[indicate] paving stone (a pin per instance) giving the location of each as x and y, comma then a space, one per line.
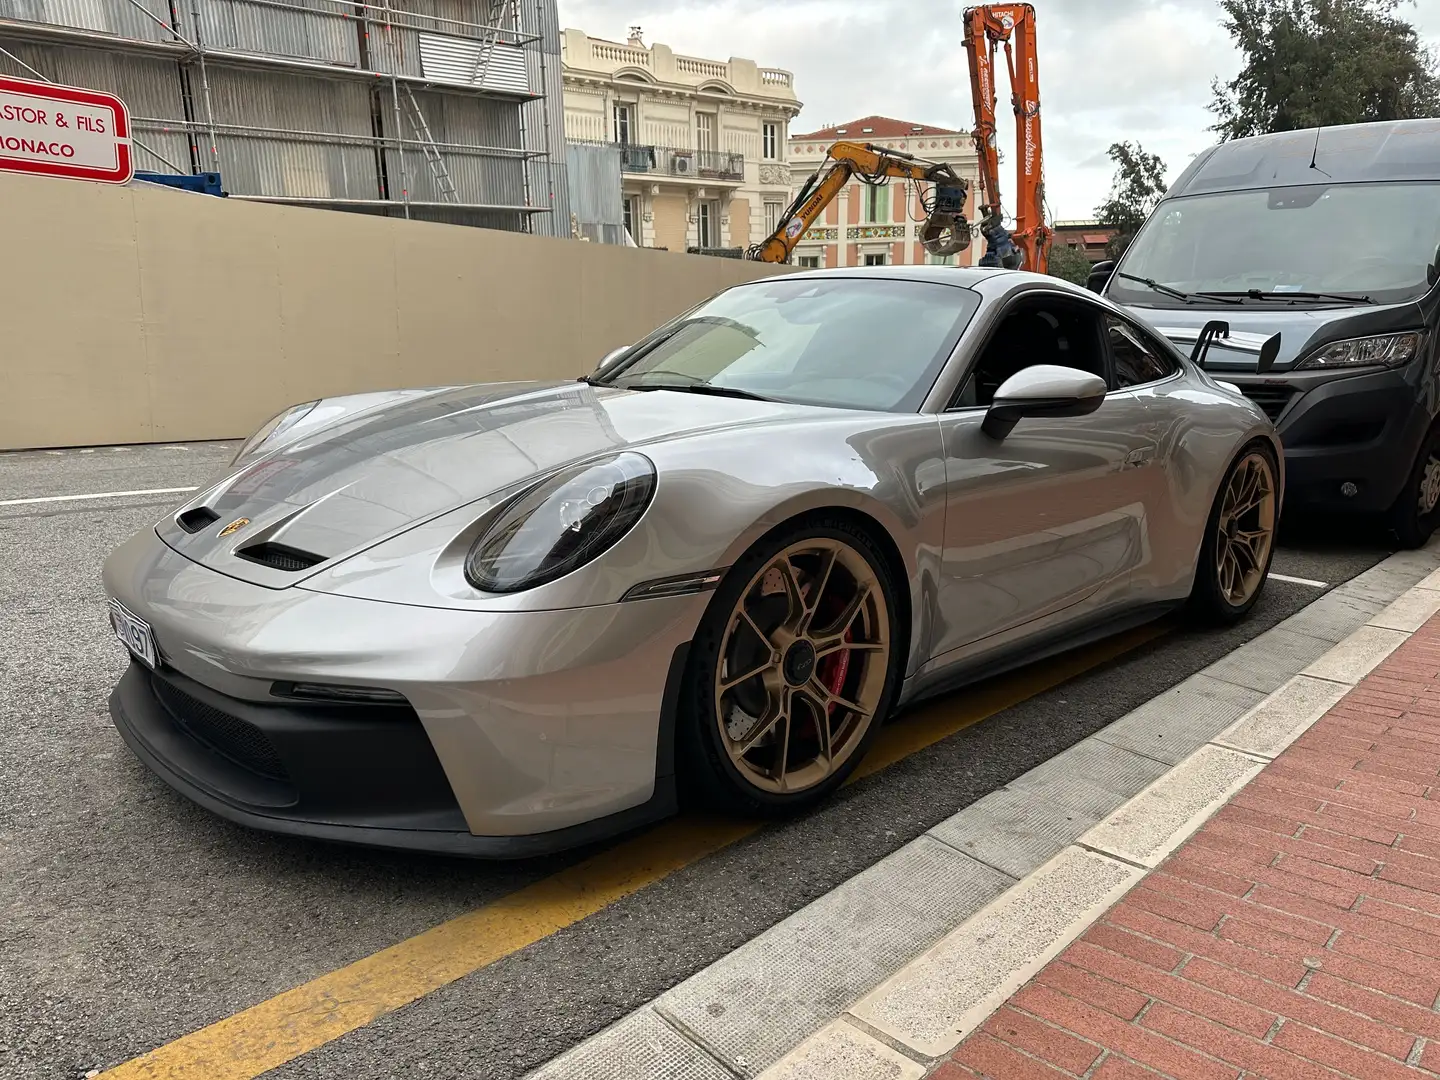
1410, 612
1092, 776
1335, 616
936, 1001
1355, 657
1266, 662
1153, 824
1016, 829
640, 1045
1283, 717
1181, 720
841, 1051
758, 1003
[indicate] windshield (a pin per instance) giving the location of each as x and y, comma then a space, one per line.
1355, 240
860, 343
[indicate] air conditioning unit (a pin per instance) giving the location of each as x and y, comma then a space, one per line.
684, 164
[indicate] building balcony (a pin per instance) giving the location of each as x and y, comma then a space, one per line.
584, 55
676, 164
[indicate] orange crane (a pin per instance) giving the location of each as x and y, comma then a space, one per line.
944, 232
987, 26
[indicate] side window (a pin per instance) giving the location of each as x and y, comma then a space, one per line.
1052, 330
1135, 357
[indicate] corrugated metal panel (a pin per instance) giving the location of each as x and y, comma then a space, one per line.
492, 65
479, 177
327, 31
107, 16
299, 165
593, 176
149, 88
545, 119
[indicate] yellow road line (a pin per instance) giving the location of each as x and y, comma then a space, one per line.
300, 1020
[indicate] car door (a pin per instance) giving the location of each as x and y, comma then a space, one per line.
1048, 523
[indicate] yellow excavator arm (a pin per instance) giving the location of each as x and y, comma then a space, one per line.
945, 231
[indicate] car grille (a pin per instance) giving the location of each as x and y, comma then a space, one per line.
1272, 399
279, 557
239, 740
192, 521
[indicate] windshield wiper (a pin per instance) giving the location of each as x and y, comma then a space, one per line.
1256, 294
1168, 290
697, 388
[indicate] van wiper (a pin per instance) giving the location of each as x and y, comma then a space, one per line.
1256, 294
1168, 290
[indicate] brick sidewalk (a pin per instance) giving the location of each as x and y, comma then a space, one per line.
1296, 934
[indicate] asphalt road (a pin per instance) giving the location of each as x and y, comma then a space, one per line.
130, 917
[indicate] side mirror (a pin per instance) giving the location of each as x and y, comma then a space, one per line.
1042, 390
610, 357
1099, 275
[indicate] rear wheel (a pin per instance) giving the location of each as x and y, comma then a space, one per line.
1239, 538
792, 671
1416, 512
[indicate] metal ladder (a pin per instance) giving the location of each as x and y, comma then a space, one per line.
438, 169
495, 12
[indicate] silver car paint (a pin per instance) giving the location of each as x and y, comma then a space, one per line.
543, 705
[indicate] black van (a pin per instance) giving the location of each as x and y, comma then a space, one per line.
1329, 238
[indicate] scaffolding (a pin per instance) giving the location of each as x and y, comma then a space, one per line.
404, 107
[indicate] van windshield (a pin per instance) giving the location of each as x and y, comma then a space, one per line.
1376, 240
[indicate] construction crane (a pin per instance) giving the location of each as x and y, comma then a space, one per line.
986, 27
944, 232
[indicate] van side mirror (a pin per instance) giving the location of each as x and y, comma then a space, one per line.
1042, 390
1099, 275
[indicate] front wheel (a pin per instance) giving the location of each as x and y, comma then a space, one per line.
791, 673
1239, 539
1416, 512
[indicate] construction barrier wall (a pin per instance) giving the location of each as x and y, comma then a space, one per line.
142, 314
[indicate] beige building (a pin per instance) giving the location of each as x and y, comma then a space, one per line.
873, 224
704, 141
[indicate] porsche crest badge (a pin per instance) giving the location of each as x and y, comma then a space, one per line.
234, 526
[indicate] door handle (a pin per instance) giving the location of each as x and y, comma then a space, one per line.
1139, 456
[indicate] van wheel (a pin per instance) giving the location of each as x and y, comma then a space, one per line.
1416, 512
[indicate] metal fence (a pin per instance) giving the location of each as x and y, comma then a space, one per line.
408, 107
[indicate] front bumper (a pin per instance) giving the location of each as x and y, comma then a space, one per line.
521, 732
1362, 429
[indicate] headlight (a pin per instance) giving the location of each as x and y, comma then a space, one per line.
1384, 350
561, 524
277, 424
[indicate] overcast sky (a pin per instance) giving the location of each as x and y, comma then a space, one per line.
1110, 70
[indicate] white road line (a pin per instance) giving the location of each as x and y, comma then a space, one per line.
1299, 580
107, 495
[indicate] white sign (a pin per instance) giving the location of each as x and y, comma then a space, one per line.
55, 130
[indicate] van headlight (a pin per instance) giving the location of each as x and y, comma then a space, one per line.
562, 523
1382, 350
276, 425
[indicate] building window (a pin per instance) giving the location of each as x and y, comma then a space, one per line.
704, 131
877, 203
772, 217
622, 123
939, 260
875, 260
627, 210
771, 140
707, 224
812, 261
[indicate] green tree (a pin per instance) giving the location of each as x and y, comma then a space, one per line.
1310, 63
1069, 263
1138, 185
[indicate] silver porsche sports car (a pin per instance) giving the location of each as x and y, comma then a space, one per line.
510, 618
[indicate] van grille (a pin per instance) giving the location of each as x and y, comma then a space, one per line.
1272, 399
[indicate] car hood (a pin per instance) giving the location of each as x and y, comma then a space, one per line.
1301, 330
352, 483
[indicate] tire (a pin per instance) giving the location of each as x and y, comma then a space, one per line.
1224, 594
715, 721
1409, 519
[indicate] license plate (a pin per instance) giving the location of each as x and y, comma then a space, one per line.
133, 633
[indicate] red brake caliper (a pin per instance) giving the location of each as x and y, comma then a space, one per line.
834, 668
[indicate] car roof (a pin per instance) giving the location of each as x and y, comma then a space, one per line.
1344, 154
991, 281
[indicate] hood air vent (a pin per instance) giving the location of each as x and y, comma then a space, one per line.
279, 557
192, 521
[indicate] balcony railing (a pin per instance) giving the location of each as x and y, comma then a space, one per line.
672, 161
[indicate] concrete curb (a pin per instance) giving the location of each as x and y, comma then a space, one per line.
888, 972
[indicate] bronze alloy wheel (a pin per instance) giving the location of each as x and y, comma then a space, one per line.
1246, 529
802, 667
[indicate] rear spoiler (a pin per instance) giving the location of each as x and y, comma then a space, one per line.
1217, 328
